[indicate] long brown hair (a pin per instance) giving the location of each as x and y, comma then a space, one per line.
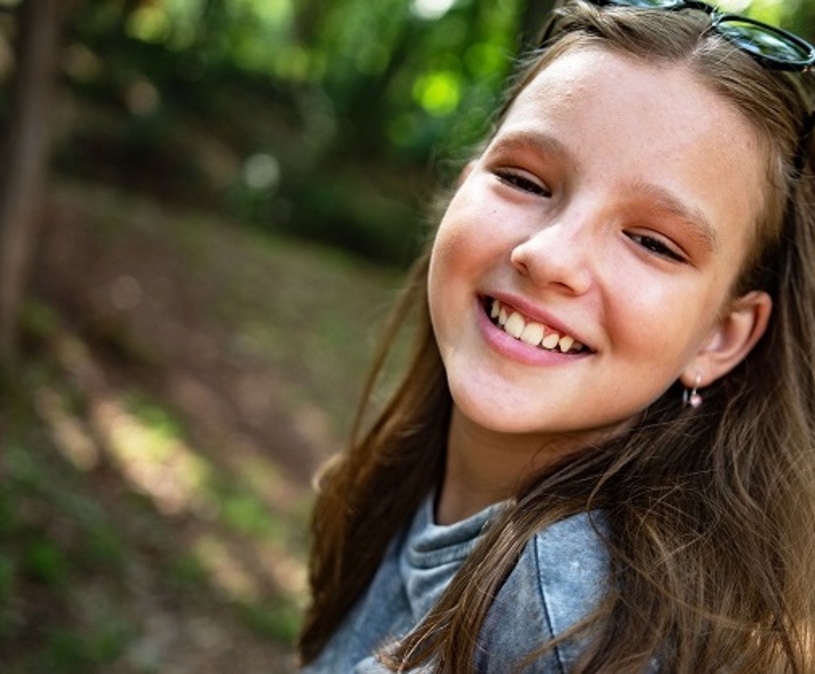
711, 512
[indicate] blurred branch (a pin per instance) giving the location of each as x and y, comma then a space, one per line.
21, 189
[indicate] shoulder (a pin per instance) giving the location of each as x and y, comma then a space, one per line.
559, 579
570, 562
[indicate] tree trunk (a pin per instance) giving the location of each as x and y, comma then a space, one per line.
26, 158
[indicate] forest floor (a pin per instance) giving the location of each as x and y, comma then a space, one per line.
183, 378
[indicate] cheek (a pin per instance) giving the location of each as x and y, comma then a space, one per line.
661, 322
460, 245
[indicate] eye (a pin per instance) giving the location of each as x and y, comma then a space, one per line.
523, 182
656, 246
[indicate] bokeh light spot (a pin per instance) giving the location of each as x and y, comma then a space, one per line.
431, 9
439, 93
149, 24
261, 171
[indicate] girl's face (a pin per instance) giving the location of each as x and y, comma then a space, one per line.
612, 210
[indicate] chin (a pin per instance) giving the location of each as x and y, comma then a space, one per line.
509, 419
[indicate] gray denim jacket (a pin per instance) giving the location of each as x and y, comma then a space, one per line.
558, 580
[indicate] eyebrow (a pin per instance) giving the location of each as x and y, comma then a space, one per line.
531, 141
700, 228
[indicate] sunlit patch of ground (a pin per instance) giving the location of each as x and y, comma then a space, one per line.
186, 377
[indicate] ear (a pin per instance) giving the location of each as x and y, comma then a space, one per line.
731, 339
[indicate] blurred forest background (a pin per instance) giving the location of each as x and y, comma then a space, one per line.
206, 207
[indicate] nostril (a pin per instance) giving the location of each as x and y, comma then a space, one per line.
553, 258
518, 261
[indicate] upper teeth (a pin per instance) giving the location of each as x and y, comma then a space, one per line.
531, 332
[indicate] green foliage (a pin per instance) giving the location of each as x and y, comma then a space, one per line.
74, 651
184, 98
188, 99
186, 571
65, 556
50, 539
44, 562
38, 320
277, 622
797, 16
350, 214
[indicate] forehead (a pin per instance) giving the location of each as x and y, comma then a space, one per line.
623, 123
665, 98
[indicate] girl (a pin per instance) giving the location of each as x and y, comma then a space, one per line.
601, 457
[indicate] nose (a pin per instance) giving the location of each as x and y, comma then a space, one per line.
558, 255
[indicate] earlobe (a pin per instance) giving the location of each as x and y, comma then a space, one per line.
733, 337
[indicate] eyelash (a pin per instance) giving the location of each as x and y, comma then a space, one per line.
649, 243
656, 247
521, 182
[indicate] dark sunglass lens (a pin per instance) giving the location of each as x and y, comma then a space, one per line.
766, 42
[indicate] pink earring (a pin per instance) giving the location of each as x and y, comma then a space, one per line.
692, 396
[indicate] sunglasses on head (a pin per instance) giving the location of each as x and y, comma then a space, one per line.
772, 47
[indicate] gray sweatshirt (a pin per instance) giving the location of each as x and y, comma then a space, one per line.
558, 580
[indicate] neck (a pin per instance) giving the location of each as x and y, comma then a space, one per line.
485, 467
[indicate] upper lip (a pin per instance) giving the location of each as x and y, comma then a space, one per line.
535, 313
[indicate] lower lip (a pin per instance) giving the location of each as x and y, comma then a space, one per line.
509, 347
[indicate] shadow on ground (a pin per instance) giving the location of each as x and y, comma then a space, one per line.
184, 379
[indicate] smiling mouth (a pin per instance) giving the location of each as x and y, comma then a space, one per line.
528, 331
